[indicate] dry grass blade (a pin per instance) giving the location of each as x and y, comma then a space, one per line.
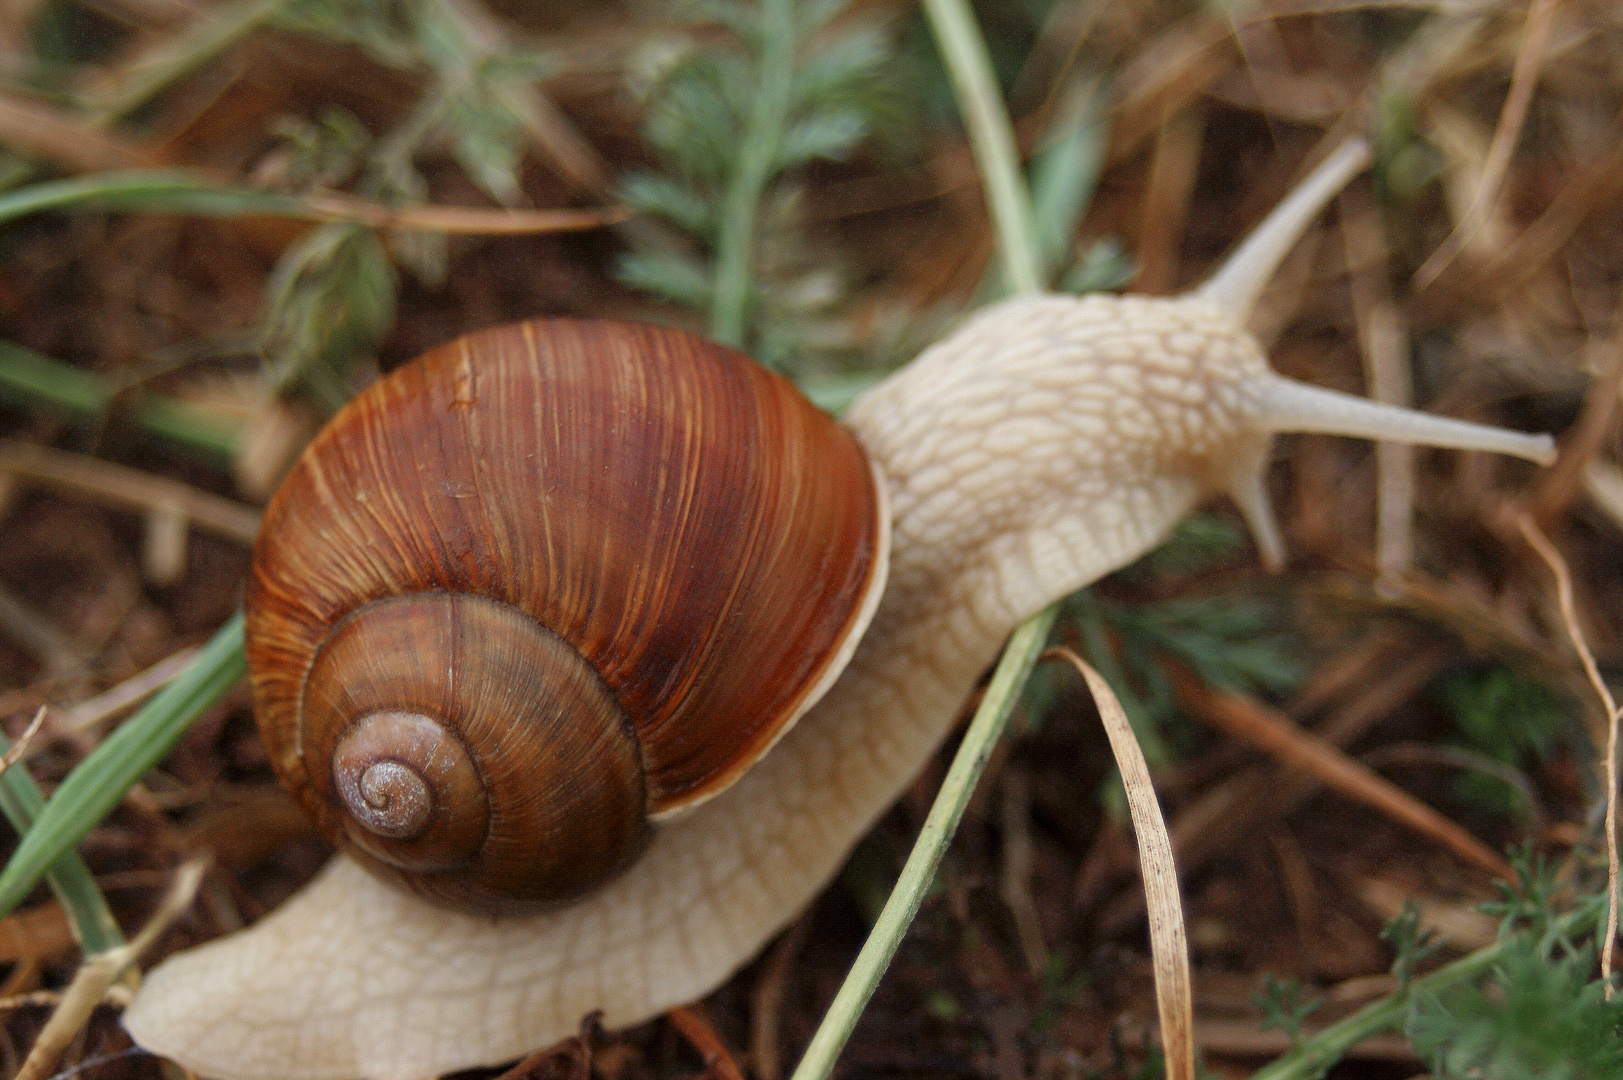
1603, 482
1460, 924
57, 651
39, 933
129, 488
98, 973
1168, 944
1015, 884
20, 747
331, 206
1383, 336
1569, 615
1523, 79
695, 1025
766, 1002
1597, 422
1255, 723
61, 139
92, 711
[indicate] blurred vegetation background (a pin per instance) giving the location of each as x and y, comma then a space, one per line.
220, 219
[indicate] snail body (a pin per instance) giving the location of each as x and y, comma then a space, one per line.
1047, 442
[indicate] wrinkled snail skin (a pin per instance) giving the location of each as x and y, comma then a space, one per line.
1047, 442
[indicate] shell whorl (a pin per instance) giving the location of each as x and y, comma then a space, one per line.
670, 526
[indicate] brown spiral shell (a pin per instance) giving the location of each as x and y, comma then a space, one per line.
543, 585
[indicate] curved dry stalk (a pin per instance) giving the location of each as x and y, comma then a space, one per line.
1249, 720
1523, 79
1569, 616
20, 747
1169, 947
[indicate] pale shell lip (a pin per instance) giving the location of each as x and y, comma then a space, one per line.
838, 659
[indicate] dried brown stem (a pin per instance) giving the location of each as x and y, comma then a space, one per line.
128, 488
694, 1024
766, 1002
98, 973
20, 747
1523, 79
1248, 719
1169, 946
1569, 615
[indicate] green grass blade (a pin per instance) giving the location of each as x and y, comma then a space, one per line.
31, 377
101, 780
1018, 659
991, 136
1064, 173
68, 877
159, 191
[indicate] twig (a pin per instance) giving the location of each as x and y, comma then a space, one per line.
62, 139
1457, 757
332, 206
42, 932
1461, 925
20, 747
1250, 720
129, 488
35, 997
1209, 825
98, 973
108, 703
56, 650
1603, 482
1169, 948
1523, 79
766, 1001
1165, 209
1015, 879
1298, 878
1595, 426
1383, 337
694, 1024
1569, 615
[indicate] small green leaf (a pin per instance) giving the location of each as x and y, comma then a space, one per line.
105, 776
669, 198
827, 135
94, 927
837, 65
674, 277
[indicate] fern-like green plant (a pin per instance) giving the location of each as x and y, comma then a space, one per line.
1540, 1014
785, 85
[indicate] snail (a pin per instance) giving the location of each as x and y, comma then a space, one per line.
1046, 442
